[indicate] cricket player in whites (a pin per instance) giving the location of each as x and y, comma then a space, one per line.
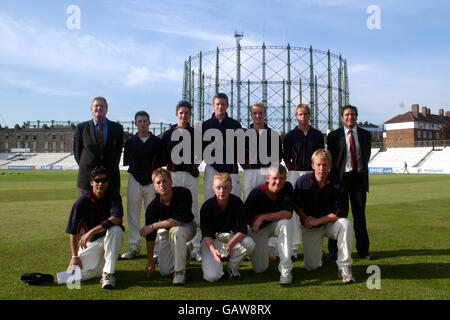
298, 146
269, 210
222, 122
322, 204
256, 173
184, 174
170, 212
143, 153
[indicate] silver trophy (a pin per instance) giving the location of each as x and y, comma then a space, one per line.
224, 238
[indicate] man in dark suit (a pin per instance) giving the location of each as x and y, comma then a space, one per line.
350, 148
98, 142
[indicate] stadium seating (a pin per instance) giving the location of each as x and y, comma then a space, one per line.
437, 162
419, 160
396, 157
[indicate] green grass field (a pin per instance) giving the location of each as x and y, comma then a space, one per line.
407, 218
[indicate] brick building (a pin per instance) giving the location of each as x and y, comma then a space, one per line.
37, 139
415, 128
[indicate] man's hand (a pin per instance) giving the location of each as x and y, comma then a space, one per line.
75, 261
216, 254
311, 222
145, 231
256, 224
85, 238
150, 267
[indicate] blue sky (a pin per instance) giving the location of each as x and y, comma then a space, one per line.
133, 52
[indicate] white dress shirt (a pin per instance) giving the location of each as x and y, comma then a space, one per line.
348, 162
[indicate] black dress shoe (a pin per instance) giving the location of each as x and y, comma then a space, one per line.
367, 256
332, 256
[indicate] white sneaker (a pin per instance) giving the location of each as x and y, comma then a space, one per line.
108, 281
130, 254
195, 255
346, 274
179, 277
286, 278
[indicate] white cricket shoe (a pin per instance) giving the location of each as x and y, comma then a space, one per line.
286, 278
108, 281
130, 254
179, 277
346, 274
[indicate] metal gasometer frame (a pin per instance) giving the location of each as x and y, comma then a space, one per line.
279, 76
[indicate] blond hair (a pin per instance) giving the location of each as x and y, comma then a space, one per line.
274, 169
161, 172
321, 154
222, 176
259, 104
302, 107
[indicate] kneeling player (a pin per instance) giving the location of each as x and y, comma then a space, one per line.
322, 204
269, 210
98, 216
223, 213
170, 210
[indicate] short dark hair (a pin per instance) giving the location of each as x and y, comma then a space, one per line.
143, 114
98, 170
349, 106
184, 104
220, 95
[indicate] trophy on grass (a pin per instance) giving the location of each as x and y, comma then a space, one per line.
224, 238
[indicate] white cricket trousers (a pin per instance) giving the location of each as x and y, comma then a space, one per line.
185, 179
101, 255
212, 270
136, 193
253, 178
210, 172
173, 248
295, 220
282, 230
340, 230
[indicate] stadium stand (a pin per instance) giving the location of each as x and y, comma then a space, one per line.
395, 158
437, 162
419, 159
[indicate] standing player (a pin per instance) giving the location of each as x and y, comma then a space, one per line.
184, 174
256, 174
143, 153
299, 144
220, 120
350, 149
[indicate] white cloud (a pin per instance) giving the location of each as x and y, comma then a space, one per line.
137, 76
81, 55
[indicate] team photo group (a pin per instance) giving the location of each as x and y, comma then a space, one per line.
297, 189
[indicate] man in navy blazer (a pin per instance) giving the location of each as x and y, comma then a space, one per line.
92, 148
350, 148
